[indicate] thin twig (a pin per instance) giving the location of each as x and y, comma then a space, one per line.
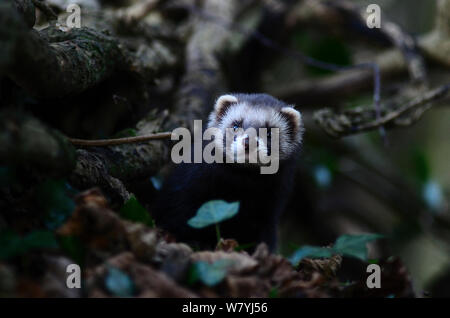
119, 141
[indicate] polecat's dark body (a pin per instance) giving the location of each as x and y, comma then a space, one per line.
262, 196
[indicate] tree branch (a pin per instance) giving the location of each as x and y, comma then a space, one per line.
354, 121
53, 63
105, 166
203, 79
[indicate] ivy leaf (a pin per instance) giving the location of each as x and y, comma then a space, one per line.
213, 212
119, 283
354, 245
308, 251
132, 210
211, 273
347, 245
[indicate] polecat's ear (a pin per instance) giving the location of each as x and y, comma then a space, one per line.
223, 103
293, 116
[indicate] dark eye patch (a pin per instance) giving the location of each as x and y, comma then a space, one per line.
237, 123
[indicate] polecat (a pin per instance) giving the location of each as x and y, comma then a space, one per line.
262, 197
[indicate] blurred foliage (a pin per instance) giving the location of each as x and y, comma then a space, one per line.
54, 199
323, 47
354, 185
74, 248
132, 210
12, 244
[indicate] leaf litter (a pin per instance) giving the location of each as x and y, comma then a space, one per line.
123, 256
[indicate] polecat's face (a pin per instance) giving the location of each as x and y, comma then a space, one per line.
256, 126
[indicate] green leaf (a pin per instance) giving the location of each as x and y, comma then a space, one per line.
354, 245
11, 244
347, 245
132, 210
211, 273
213, 212
119, 283
308, 251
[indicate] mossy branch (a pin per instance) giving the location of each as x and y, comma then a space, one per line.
53, 63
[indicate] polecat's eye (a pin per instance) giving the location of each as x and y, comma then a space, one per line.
236, 125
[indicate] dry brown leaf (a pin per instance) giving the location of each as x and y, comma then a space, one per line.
148, 281
251, 286
142, 240
98, 226
326, 266
227, 245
